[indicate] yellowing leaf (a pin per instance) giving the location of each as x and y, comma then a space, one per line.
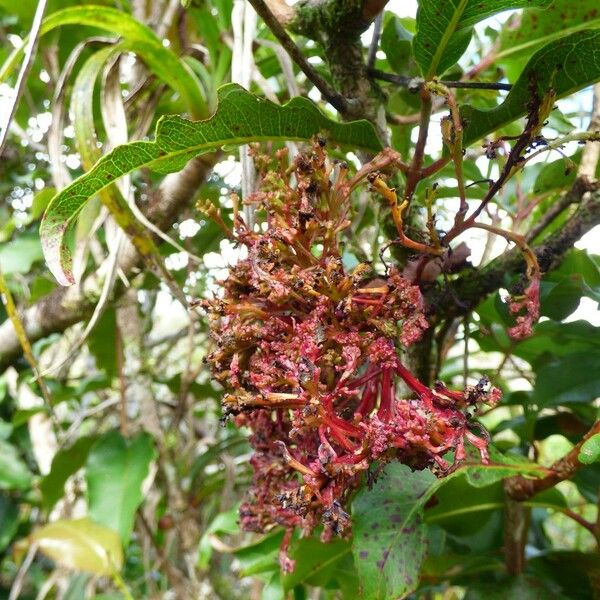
81, 544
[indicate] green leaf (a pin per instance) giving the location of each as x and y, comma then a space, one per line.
316, 562
102, 342
81, 544
389, 533
396, 42
14, 474
556, 175
565, 65
260, 557
223, 523
137, 38
553, 340
537, 28
388, 521
559, 299
115, 470
573, 378
9, 520
444, 29
19, 255
590, 450
240, 118
65, 463
85, 135
521, 588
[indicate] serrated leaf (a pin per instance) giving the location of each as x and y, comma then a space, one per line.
81, 544
137, 38
115, 470
590, 450
241, 118
444, 29
565, 65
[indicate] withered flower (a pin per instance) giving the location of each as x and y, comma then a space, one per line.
309, 354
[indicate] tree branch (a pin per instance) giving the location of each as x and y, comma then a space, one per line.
416, 82
337, 26
459, 297
334, 98
521, 488
66, 306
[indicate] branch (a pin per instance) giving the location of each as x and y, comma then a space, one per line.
336, 25
465, 293
333, 97
416, 83
521, 488
66, 306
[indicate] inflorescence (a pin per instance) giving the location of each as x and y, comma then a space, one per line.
310, 355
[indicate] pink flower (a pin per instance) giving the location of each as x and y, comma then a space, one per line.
308, 354
529, 305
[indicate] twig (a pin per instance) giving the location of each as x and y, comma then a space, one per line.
17, 585
14, 317
334, 98
120, 356
414, 172
416, 83
372, 56
586, 173
573, 196
24, 71
516, 527
520, 488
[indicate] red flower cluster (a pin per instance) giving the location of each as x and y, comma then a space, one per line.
309, 354
527, 310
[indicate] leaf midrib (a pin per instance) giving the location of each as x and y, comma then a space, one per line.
450, 30
547, 38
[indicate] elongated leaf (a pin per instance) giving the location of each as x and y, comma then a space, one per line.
444, 29
14, 474
64, 464
9, 520
114, 474
81, 544
138, 38
566, 65
240, 118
